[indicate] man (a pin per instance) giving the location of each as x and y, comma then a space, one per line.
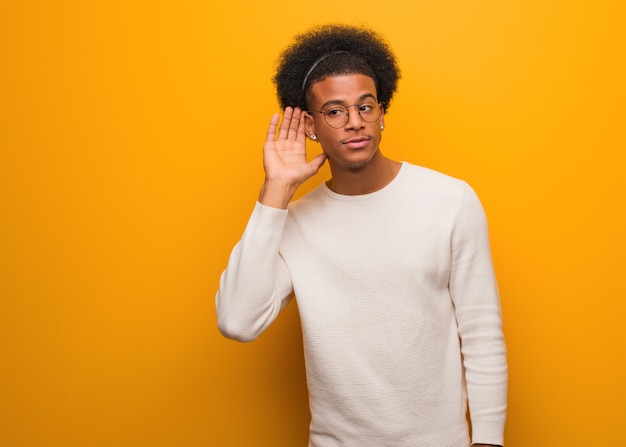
390, 263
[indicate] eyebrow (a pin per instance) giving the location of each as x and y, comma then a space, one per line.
342, 102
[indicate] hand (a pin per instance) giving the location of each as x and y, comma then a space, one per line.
284, 159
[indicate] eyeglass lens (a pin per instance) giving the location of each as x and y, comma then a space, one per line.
337, 116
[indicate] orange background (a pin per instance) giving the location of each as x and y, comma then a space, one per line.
130, 159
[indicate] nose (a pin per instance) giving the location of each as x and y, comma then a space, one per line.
354, 119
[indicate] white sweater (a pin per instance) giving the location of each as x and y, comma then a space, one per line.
399, 308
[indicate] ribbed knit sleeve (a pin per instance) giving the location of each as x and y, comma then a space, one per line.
475, 295
255, 285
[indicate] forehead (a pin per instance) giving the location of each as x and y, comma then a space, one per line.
347, 89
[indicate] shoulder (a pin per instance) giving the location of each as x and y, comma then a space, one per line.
422, 173
309, 202
434, 183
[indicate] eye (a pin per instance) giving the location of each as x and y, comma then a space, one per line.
366, 108
334, 111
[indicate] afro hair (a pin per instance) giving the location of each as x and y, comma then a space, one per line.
330, 50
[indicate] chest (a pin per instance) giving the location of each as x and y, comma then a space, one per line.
370, 246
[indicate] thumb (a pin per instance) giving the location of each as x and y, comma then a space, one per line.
318, 161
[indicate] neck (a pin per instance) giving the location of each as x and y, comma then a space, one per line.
365, 179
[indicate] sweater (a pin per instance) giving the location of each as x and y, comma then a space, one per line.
399, 308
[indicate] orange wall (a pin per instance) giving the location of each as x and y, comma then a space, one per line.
130, 158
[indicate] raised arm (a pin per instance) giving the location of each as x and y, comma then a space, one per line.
256, 285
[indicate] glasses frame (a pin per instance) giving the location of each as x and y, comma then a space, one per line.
381, 108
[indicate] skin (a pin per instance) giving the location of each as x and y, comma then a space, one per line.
353, 152
284, 159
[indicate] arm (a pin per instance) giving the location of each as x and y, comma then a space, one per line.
256, 285
475, 294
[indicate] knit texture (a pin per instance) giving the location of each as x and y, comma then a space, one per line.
399, 308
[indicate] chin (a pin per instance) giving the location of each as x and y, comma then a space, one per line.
355, 163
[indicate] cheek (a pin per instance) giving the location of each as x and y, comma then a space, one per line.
326, 135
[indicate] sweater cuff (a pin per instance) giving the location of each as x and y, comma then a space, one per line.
488, 432
267, 219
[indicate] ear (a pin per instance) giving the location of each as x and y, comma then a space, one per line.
309, 124
382, 117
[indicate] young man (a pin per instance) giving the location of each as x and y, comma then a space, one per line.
390, 263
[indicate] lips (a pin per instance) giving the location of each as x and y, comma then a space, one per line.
356, 143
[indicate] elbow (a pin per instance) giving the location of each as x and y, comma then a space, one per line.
230, 323
241, 322
236, 331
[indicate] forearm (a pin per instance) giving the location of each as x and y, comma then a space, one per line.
277, 194
255, 285
484, 358
484, 354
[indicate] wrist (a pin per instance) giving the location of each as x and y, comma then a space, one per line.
276, 193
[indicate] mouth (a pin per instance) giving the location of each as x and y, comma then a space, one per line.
356, 143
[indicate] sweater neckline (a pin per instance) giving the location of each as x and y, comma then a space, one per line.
372, 195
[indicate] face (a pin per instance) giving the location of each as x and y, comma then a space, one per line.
355, 144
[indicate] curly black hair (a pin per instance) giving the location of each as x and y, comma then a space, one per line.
330, 50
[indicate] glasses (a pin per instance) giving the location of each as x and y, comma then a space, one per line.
337, 116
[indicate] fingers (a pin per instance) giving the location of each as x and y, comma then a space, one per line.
271, 129
301, 135
283, 131
292, 125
